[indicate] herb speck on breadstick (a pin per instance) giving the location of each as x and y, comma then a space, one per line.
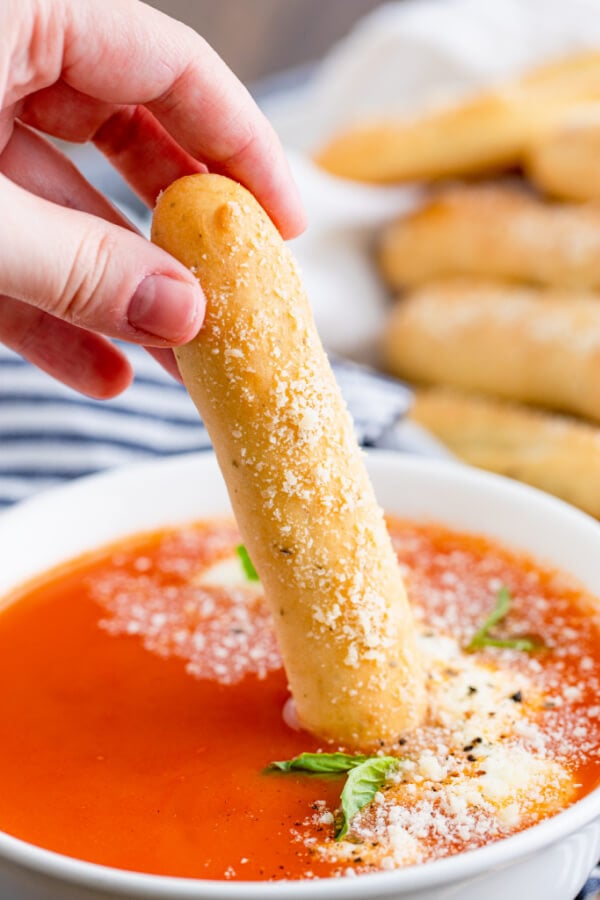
298, 486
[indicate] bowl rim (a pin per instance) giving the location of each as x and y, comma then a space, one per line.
448, 870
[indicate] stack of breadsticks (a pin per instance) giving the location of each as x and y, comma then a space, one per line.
498, 281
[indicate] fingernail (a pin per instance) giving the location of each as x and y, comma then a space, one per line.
165, 307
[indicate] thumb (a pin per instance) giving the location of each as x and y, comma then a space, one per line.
94, 274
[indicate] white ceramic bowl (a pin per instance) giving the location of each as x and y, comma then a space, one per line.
547, 862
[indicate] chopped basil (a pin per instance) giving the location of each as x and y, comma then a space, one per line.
482, 638
527, 645
249, 570
366, 775
362, 784
324, 763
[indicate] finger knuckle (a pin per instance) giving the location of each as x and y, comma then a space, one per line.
241, 142
34, 33
82, 291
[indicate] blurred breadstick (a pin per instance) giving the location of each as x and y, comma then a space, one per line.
534, 346
298, 486
494, 232
565, 162
554, 453
488, 132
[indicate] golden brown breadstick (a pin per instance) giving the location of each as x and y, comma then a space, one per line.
494, 232
540, 347
554, 453
565, 162
485, 133
298, 486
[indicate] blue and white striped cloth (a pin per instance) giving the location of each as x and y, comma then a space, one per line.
50, 434
591, 891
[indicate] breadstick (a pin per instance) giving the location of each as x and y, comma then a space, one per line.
300, 492
494, 232
540, 347
488, 132
554, 453
565, 162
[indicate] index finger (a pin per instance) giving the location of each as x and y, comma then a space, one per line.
125, 52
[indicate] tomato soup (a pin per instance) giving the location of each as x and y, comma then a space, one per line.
142, 698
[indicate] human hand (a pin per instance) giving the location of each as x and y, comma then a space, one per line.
159, 103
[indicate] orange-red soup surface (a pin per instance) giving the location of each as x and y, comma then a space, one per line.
142, 700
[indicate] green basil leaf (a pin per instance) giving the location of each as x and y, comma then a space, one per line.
325, 763
499, 612
527, 645
482, 638
362, 784
249, 570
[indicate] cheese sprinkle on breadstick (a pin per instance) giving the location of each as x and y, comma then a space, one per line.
300, 492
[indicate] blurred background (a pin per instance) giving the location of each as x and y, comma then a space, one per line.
260, 38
